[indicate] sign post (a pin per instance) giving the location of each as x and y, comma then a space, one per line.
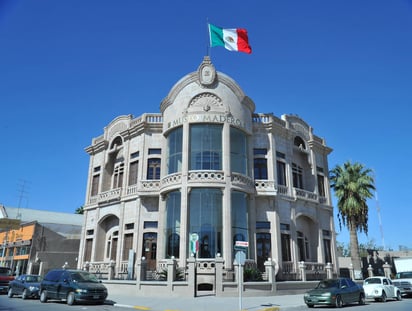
240, 248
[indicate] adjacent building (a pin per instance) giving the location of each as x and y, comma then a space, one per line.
34, 241
205, 172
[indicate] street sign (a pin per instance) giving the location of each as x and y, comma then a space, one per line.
240, 257
241, 245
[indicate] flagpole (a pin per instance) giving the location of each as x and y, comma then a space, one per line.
208, 38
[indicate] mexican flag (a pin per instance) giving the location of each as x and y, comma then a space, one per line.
235, 39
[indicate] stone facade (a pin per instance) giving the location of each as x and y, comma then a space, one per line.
205, 172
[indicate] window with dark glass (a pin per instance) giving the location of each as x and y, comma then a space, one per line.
262, 225
299, 142
285, 242
321, 185
118, 175
327, 250
155, 151
260, 168
127, 245
281, 172
297, 173
173, 224
174, 150
240, 217
205, 147
153, 168
303, 246
133, 173
150, 224
95, 185
205, 219
238, 151
88, 250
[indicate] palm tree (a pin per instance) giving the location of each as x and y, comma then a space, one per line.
353, 185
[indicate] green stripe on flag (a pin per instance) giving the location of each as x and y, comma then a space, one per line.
216, 36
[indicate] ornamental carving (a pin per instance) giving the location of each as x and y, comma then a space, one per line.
206, 102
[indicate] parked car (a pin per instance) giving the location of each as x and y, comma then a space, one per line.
381, 288
6, 275
73, 286
26, 285
335, 292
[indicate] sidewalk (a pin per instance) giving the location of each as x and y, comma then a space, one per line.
207, 303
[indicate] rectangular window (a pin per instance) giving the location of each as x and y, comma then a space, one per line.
133, 173
174, 150
118, 175
280, 155
90, 232
95, 185
297, 172
281, 172
285, 241
321, 185
150, 224
327, 250
260, 168
238, 151
205, 147
96, 169
134, 155
127, 245
284, 227
88, 250
155, 151
153, 168
260, 151
129, 226
263, 225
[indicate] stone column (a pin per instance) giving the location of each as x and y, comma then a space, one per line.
370, 271
219, 275
387, 270
302, 271
329, 272
351, 271
171, 273
191, 263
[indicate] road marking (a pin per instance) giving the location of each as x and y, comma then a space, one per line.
141, 308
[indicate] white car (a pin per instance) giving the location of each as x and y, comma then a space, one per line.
380, 288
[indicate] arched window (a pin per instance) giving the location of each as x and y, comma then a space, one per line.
299, 142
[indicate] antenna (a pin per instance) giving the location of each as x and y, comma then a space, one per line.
22, 194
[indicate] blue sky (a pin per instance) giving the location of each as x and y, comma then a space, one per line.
67, 68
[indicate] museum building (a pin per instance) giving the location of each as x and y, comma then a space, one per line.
204, 173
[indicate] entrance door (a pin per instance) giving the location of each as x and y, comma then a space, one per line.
263, 248
150, 249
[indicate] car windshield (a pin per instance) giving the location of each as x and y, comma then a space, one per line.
84, 277
404, 275
5, 271
328, 284
33, 279
373, 281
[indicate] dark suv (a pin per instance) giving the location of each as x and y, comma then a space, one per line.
72, 285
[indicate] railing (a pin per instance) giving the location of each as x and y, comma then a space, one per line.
303, 194
206, 176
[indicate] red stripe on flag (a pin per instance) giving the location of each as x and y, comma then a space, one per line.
243, 41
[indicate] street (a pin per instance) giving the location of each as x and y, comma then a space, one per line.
404, 305
18, 304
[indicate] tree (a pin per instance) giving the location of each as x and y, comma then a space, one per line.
353, 184
79, 210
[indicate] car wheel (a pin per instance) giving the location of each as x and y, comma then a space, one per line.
398, 296
70, 299
383, 298
25, 295
361, 299
43, 296
338, 302
310, 305
10, 293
